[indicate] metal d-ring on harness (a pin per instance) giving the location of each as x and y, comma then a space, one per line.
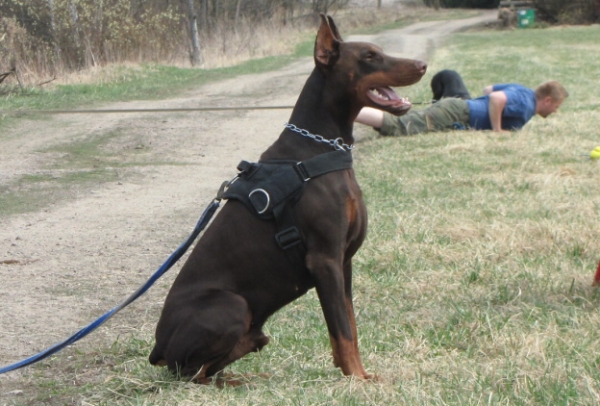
267, 197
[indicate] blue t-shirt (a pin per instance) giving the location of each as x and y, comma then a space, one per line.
519, 108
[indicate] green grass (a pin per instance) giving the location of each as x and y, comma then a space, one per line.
35, 192
78, 165
73, 166
473, 286
126, 83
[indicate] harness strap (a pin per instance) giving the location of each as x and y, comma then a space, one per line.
324, 163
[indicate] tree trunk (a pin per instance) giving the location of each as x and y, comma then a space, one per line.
195, 57
204, 12
56, 46
216, 10
378, 4
76, 32
288, 11
237, 14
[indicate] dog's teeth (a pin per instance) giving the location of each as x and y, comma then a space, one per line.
378, 94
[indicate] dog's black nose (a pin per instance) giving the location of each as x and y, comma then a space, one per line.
422, 67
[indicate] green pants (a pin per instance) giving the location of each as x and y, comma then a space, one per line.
446, 114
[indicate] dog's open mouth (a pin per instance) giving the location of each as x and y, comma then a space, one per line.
386, 99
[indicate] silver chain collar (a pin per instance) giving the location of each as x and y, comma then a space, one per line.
336, 143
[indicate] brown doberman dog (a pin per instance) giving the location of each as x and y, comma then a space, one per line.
237, 276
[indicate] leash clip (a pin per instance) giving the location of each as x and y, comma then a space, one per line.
224, 186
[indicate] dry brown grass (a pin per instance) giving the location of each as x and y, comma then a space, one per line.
224, 46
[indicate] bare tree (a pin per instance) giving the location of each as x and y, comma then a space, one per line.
76, 35
237, 13
56, 46
195, 56
204, 13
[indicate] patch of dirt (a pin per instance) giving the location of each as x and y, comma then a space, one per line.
64, 266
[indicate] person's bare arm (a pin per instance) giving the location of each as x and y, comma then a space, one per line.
497, 103
371, 117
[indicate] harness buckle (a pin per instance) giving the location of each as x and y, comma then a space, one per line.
302, 171
288, 238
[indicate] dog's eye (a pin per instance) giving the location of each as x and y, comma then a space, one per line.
372, 56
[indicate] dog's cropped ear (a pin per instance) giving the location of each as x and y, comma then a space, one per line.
334, 29
327, 44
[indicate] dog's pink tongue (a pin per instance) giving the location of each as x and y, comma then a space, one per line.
385, 96
395, 100
389, 93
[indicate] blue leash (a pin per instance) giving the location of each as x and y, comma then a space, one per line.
204, 219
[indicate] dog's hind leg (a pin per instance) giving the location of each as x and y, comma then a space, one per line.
254, 340
199, 334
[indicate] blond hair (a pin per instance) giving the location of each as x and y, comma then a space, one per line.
552, 88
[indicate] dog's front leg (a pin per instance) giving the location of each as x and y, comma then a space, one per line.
350, 307
334, 288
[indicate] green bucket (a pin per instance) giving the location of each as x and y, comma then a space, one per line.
525, 18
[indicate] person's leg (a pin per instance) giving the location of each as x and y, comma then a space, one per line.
448, 83
447, 114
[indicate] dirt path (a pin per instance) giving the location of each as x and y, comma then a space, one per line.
65, 265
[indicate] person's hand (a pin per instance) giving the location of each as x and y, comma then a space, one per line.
488, 89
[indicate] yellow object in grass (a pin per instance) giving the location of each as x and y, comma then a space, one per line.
595, 154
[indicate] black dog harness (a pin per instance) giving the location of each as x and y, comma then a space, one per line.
269, 189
